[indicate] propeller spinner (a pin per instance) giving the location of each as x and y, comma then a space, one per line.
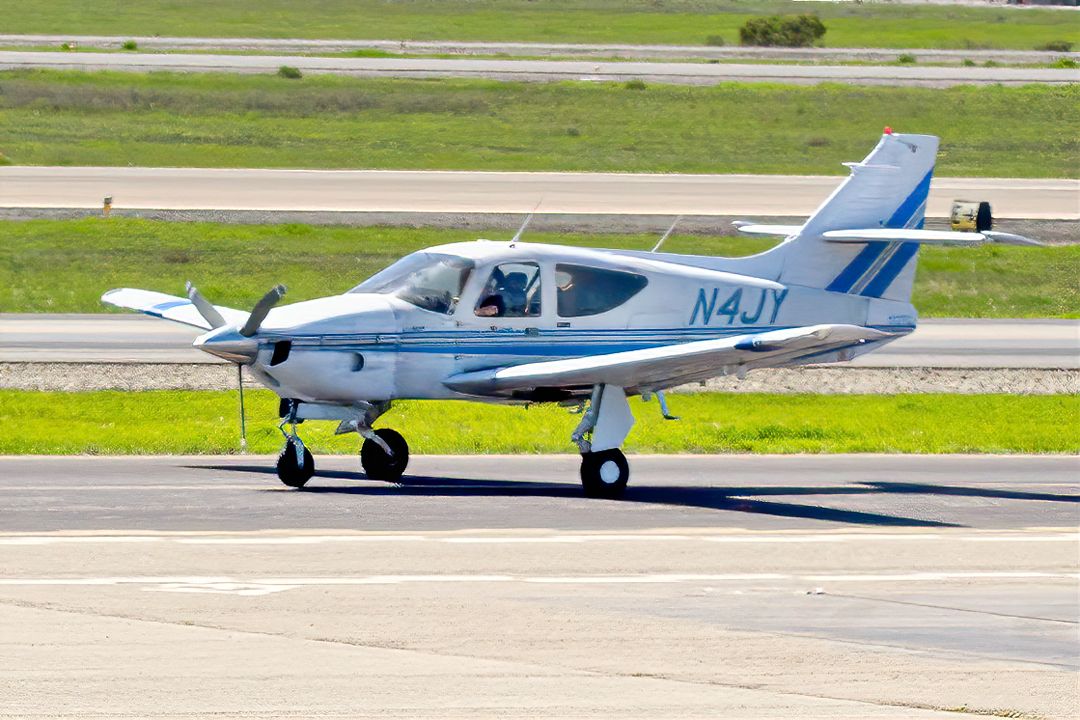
227, 341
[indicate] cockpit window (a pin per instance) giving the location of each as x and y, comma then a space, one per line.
512, 291
427, 280
590, 291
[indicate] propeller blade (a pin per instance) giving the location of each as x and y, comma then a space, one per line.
205, 308
259, 312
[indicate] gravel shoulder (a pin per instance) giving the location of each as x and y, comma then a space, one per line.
78, 377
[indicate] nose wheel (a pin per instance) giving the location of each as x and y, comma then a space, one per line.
295, 465
384, 455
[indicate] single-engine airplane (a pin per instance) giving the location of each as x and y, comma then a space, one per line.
518, 322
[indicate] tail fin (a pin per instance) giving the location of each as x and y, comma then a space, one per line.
888, 189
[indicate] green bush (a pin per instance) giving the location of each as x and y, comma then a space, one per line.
715, 40
129, 45
1065, 63
906, 59
968, 62
635, 84
289, 72
782, 31
1056, 46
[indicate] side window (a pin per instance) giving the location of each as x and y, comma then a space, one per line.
590, 291
512, 291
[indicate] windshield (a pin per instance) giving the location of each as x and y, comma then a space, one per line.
427, 280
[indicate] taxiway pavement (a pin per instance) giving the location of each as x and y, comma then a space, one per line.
545, 70
419, 191
827, 586
293, 46
948, 343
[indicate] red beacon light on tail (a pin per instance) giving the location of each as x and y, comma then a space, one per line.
888, 130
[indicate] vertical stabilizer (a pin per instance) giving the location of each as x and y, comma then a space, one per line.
888, 189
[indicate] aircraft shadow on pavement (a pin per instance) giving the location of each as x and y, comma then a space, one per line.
729, 498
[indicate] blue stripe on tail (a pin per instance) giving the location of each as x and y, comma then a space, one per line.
882, 281
855, 269
904, 214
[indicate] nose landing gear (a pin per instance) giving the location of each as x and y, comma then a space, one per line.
384, 454
295, 465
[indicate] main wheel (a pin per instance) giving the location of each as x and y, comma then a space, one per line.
289, 471
380, 466
604, 474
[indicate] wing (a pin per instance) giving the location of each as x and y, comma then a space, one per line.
170, 307
669, 365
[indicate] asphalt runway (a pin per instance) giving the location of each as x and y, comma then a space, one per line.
737, 586
936, 343
493, 192
544, 70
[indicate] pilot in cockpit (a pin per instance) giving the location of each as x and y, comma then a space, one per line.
505, 295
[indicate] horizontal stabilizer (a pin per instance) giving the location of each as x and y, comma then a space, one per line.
926, 237
169, 307
781, 230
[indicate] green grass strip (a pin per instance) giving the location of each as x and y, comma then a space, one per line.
174, 422
221, 120
680, 22
65, 265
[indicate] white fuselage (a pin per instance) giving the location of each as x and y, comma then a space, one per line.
371, 347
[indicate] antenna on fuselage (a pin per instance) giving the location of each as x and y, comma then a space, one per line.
528, 219
666, 234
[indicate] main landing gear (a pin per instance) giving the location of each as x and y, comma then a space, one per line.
384, 454
603, 427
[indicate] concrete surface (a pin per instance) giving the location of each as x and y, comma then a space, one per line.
290, 46
936, 343
493, 192
545, 70
764, 587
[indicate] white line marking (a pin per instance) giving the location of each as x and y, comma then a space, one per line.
49, 540
299, 539
1066, 537
562, 539
762, 538
932, 576
824, 538
265, 585
674, 578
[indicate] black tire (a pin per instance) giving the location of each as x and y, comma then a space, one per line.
604, 474
380, 466
288, 471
